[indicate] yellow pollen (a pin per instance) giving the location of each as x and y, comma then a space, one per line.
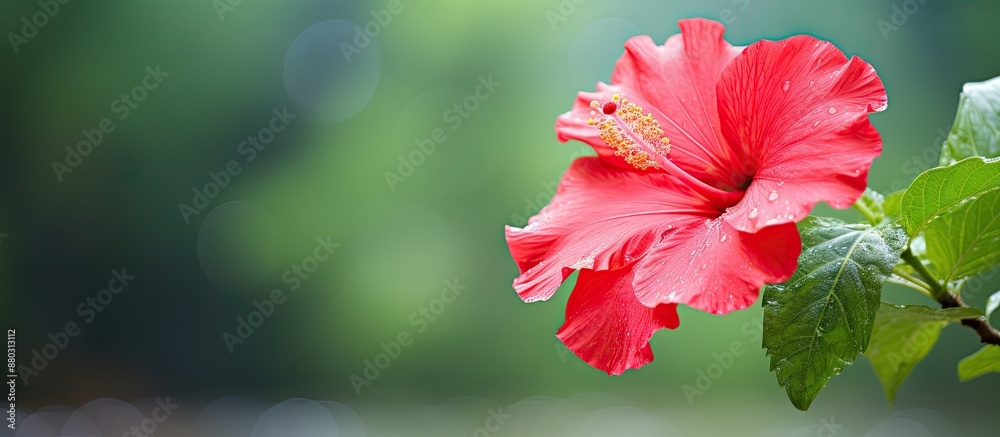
628, 125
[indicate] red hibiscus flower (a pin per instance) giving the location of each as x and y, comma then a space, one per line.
707, 156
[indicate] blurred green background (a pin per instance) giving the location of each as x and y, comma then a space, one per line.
325, 175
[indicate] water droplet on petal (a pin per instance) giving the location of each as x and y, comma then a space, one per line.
812, 82
753, 213
786, 85
723, 239
832, 110
773, 196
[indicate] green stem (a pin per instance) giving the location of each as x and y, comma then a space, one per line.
869, 215
914, 282
987, 333
938, 291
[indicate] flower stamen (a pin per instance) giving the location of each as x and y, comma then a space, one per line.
635, 136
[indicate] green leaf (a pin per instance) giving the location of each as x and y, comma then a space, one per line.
937, 190
980, 363
976, 131
992, 304
871, 205
821, 319
892, 203
965, 241
903, 335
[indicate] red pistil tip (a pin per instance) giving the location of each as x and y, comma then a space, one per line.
610, 108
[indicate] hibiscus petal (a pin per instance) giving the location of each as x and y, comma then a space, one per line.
798, 108
606, 325
679, 80
715, 268
601, 218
